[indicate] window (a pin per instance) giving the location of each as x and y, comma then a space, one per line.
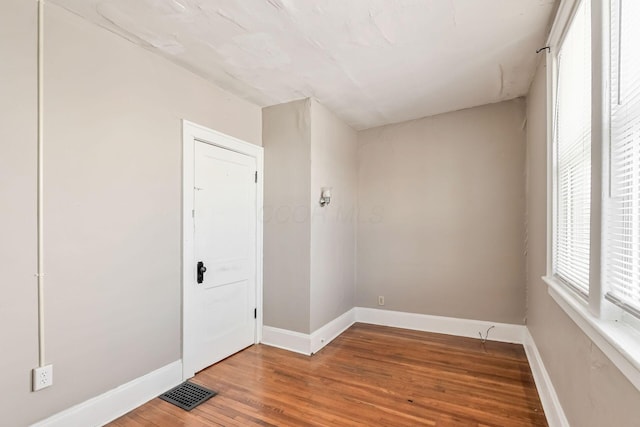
573, 154
594, 212
622, 270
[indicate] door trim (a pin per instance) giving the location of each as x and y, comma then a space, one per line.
192, 132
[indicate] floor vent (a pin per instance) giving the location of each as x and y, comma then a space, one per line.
187, 395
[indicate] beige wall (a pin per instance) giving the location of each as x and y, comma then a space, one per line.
333, 227
309, 251
441, 227
591, 389
435, 194
287, 235
112, 197
18, 310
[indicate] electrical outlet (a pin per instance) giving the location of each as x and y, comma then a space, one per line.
42, 377
380, 300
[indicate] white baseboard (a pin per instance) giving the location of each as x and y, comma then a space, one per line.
332, 330
117, 402
314, 342
550, 402
286, 340
307, 343
503, 332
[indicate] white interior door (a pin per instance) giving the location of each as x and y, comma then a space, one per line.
225, 243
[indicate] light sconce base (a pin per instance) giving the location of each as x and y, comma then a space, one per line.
325, 196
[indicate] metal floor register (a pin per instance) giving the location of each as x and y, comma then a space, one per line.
187, 395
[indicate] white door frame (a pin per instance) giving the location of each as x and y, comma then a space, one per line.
192, 132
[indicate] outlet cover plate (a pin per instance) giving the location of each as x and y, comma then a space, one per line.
42, 377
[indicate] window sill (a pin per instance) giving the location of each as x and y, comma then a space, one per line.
618, 340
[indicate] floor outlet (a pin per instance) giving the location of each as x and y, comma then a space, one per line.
380, 300
42, 377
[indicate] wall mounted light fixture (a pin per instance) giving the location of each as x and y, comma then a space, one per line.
325, 196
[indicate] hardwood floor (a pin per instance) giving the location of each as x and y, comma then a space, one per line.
369, 376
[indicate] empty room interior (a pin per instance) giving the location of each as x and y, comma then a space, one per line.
320, 212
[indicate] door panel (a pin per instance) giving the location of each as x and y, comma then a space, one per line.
225, 241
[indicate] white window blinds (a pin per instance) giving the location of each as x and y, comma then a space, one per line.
573, 153
622, 271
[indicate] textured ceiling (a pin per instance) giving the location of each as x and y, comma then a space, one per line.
372, 62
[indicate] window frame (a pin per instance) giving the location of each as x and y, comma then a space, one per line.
614, 331
555, 170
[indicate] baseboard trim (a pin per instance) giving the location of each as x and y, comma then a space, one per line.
114, 403
332, 330
550, 402
308, 344
286, 340
120, 400
312, 343
503, 332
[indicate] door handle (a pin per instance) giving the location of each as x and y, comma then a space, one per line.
201, 269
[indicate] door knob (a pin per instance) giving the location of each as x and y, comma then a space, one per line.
201, 269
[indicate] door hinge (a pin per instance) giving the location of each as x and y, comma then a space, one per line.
255, 313
256, 178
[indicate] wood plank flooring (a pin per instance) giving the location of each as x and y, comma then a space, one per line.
369, 376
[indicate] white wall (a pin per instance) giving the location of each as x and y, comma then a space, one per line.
112, 198
333, 227
592, 391
441, 227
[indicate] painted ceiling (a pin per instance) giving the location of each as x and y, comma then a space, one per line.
372, 62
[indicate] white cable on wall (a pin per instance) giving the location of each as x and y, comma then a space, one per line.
40, 190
